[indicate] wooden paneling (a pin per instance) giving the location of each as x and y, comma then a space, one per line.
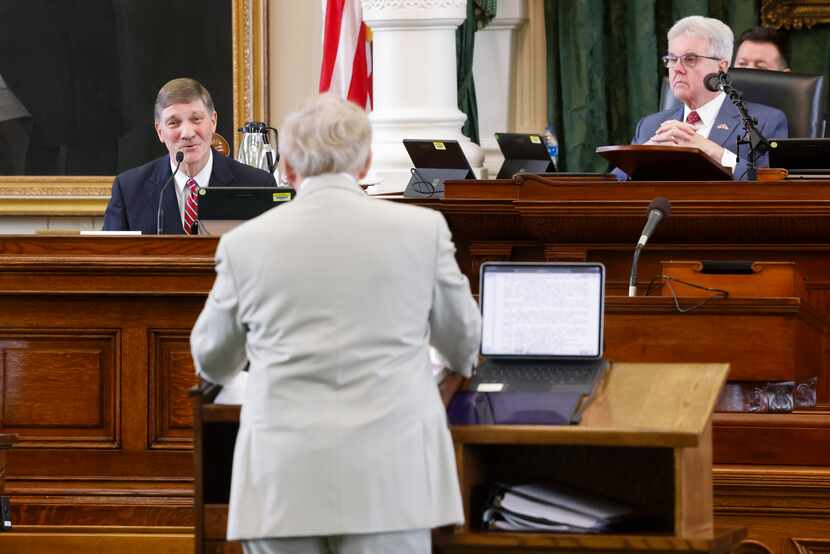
59, 388
171, 376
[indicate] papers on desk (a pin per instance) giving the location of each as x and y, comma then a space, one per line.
551, 508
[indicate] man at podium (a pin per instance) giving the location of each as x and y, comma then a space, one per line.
334, 300
160, 197
708, 120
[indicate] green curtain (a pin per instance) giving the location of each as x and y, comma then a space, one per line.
604, 72
479, 14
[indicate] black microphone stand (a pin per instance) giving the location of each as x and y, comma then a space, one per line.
752, 137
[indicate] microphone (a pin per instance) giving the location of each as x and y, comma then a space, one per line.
714, 82
160, 213
659, 209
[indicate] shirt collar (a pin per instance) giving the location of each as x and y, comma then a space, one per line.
202, 178
329, 180
708, 112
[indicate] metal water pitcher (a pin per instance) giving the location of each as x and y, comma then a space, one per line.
255, 148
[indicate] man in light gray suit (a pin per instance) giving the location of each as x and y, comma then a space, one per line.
334, 299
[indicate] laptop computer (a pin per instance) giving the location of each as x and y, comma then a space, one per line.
222, 208
801, 156
542, 327
523, 153
435, 161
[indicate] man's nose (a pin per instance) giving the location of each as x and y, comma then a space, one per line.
187, 130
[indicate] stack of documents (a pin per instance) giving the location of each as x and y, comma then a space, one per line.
551, 508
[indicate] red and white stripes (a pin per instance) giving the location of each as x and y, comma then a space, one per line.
347, 58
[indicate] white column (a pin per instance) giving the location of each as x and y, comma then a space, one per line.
415, 92
493, 68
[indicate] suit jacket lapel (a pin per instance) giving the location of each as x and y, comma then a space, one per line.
171, 220
726, 124
221, 176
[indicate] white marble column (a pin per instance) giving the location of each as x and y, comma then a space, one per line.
493, 69
415, 92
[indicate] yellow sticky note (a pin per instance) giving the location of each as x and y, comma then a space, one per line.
439, 145
281, 196
535, 139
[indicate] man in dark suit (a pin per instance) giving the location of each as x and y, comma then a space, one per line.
185, 120
707, 120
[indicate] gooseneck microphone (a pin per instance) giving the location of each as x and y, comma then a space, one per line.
160, 213
757, 143
658, 210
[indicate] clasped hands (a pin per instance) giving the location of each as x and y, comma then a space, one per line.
678, 133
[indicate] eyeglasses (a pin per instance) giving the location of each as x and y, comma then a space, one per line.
689, 60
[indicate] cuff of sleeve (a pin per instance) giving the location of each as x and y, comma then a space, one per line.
729, 159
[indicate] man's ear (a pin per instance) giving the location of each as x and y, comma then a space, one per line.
363, 171
289, 174
158, 132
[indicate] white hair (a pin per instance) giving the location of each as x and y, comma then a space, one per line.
327, 135
717, 33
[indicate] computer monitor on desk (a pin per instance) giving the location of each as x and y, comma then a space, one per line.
435, 161
523, 153
223, 208
802, 157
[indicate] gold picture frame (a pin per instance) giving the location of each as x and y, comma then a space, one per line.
794, 14
88, 196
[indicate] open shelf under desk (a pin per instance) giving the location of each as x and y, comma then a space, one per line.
450, 541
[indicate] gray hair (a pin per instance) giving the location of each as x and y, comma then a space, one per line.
327, 135
181, 91
717, 33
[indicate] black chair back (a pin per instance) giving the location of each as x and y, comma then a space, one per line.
801, 97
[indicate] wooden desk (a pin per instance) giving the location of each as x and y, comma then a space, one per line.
94, 339
637, 443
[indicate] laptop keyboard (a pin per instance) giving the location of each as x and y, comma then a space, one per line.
555, 376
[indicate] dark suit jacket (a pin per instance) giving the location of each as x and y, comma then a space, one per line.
134, 203
772, 123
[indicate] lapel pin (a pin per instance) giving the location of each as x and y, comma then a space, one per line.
723, 126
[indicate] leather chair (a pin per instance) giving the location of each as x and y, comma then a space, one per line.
801, 97
221, 145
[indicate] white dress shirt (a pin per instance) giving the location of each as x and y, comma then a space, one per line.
708, 113
202, 179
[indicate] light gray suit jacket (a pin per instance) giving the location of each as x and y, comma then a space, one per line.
334, 299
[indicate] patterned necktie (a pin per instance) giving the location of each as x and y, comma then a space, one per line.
191, 205
693, 118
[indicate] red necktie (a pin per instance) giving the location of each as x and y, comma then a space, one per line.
191, 205
693, 118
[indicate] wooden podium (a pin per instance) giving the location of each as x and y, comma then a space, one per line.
645, 439
645, 162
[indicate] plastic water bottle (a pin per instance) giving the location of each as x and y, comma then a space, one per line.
553, 146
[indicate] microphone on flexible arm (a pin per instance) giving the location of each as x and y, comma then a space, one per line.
758, 143
658, 210
160, 213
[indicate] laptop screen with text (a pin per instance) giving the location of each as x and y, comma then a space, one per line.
545, 310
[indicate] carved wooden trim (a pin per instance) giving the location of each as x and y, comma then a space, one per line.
165, 398
794, 14
810, 546
555, 253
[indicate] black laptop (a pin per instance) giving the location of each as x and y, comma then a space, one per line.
435, 161
523, 153
801, 156
222, 208
542, 327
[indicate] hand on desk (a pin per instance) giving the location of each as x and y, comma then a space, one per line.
449, 385
678, 133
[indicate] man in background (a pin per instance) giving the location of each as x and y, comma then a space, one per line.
334, 300
761, 48
699, 46
185, 120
